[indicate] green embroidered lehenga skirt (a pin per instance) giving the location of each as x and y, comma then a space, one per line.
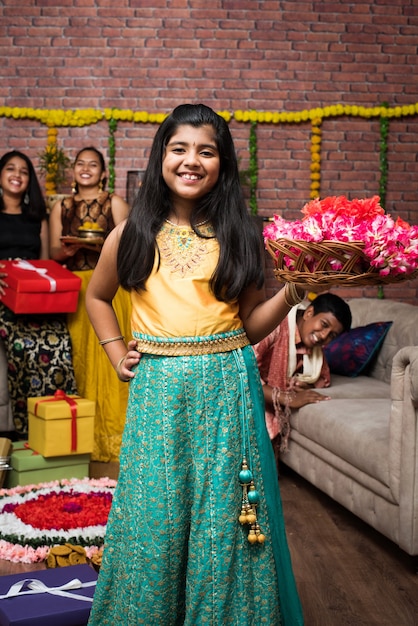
175, 552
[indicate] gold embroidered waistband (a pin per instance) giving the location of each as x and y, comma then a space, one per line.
191, 347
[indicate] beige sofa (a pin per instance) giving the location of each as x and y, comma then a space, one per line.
361, 447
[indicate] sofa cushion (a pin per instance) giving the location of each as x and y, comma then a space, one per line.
357, 433
403, 332
353, 351
346, 387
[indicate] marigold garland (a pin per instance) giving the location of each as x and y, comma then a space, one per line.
315, 158
54, 118
53, 163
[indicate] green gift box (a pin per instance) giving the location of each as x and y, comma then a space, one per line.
29, 467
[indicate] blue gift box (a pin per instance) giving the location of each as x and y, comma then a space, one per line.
60, 601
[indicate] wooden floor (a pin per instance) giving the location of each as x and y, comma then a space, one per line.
347, 574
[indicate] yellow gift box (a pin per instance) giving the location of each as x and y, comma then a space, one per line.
61, 424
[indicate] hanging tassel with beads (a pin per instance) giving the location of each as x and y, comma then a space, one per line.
250, 495
250, 500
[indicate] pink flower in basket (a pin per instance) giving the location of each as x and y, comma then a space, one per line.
391, 247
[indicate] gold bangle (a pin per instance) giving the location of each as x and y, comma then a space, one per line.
295, 297
285, 299
105, 341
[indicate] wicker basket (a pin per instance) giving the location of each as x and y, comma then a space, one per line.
355, 270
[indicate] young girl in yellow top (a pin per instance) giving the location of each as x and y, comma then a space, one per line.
196, 534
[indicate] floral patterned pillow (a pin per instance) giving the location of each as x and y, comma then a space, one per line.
352, 352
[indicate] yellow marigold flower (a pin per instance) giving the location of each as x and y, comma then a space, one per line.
315, 155
316, 113
260, 117
160, 117
347, 109
253, 116
304, 115
238, 115
268, 116
315, 176
314, 194
315, 130
365, 112
315, 139
276, 118
315, 167
314, 185
143, 116
225, 114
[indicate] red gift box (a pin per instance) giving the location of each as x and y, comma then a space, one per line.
61, 596
40, 287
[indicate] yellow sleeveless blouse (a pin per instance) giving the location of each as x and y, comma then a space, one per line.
178, 301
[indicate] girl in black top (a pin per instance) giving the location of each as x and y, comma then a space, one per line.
38, 347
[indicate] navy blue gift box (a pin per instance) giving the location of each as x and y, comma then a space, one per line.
50, 597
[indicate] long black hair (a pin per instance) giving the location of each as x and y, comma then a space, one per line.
34, 208
240, 260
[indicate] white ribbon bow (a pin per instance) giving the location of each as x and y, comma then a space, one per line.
25, 265
37, 586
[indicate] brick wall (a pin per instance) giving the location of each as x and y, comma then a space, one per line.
230, 54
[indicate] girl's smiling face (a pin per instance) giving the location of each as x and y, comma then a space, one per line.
191, 163
88, 170
15, 176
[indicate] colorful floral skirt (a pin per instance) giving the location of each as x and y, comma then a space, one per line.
95, 376
176, 552
39, 360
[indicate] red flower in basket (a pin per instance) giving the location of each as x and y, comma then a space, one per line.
389, 247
